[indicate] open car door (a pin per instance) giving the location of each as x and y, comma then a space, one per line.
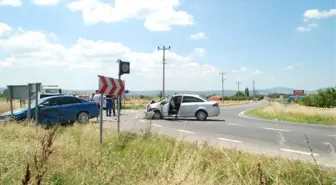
165, 107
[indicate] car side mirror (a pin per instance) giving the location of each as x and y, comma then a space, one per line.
164, 102
41, 106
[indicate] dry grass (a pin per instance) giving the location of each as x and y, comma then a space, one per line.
296, 113
5, 106
145, 159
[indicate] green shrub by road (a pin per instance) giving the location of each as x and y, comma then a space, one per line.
293, 113
74, 156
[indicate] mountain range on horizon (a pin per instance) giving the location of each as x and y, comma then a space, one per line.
282, 90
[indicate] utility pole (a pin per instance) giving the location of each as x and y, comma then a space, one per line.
238, 90
223, 73
238, 85
253, 89
163, 73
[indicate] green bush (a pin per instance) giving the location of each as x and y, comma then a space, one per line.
323, 98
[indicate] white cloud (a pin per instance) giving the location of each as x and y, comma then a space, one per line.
288, 68
14, 3
258, 72
200, 51
32, 49
318, 14
239, 70
45, 2
157, 15
302, 29
197, 36
4, 30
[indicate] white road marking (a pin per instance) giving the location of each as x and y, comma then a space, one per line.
275, 129
186, 131
234, 124
156, 125
230, 140
297, 151
332, 135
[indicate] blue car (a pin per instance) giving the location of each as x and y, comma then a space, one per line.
58, 109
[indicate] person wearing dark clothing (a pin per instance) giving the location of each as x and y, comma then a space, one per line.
108, 105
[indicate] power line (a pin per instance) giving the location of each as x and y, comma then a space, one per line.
164, 70
223, 73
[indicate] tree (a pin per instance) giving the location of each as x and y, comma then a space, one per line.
239, 93
247, 92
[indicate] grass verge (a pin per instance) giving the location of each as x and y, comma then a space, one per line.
73, 155
294, 113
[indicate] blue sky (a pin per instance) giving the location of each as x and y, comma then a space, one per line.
275, 43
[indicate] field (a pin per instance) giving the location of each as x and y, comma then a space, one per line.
296, 113
73, 155
4, 106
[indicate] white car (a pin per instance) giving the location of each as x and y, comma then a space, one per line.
183, 105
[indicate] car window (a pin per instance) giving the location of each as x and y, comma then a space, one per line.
190, 99
50, 102
69, 100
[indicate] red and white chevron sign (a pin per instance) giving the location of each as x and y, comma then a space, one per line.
111, 86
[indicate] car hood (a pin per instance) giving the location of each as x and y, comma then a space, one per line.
15, 112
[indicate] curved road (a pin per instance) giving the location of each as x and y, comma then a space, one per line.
232, 129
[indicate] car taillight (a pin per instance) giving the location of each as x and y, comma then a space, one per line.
215, 105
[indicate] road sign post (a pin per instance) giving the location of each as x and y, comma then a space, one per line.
108, 86
124, 68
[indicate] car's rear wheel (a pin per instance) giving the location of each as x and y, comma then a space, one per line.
157, 115
83, 117
201, 115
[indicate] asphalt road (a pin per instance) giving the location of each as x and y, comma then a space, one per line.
232, 129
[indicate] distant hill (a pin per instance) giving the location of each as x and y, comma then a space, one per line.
283, 90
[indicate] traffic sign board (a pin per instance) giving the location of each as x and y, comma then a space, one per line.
126, 91
111, 86
298, 92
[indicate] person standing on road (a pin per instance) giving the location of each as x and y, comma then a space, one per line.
97, 98
113, 104
108, 105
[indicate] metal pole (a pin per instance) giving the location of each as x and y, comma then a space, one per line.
10, 88
164, 74
119, 102
164, 69
223, 94
29, 102
101, 119
36, 104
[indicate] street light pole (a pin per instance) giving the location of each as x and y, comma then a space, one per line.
222, 73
